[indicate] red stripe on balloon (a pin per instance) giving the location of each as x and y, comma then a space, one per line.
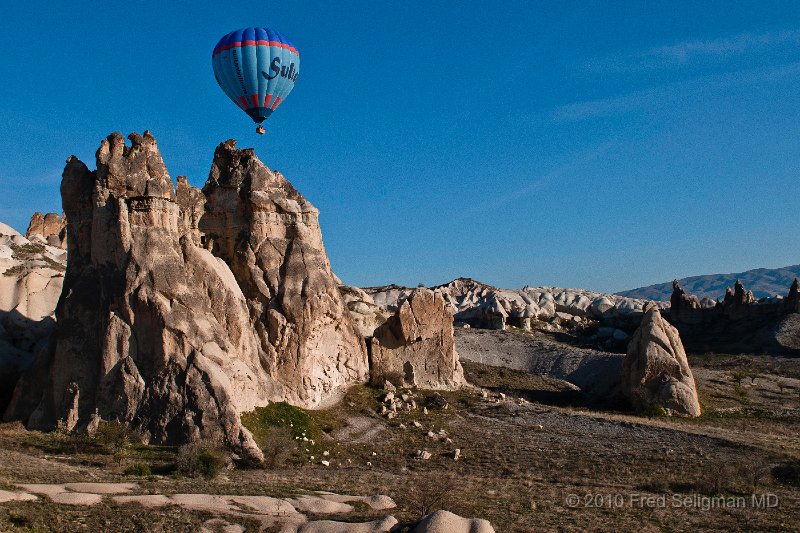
276, 103
267, 100
244, 102
254, 43
254, 98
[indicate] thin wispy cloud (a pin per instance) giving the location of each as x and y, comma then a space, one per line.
694, 51
664, 95
538, 182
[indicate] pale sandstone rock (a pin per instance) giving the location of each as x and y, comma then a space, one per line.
655, 371
102, 488
378, 502
480, 305
48, 229
417, 342
145, 500
306, 337
76, 498
447, 522
383, 525
175, 339
31, 276
365, 313
10, 496
216, 525
46, 489
319, 505
5, 229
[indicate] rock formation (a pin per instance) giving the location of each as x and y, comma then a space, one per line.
270, 237
739, 322
417, 343
31, 274
655, 371
48, 229
366, 314
447, 522
793, 298
479, 305
763, 282
177, 339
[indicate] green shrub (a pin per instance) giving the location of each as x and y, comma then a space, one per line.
195, 460
278, 415
139, 470
653, 411
278, 446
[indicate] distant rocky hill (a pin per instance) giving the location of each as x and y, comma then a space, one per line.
763, 282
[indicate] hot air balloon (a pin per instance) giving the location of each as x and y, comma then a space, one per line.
257, 68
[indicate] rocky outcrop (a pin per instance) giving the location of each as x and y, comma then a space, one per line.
269, 235
365, 313
793, 298
447, 522
31, 275
655, 372
738, 323
50, 229
763, 282
479, 305
182, 309
417, 344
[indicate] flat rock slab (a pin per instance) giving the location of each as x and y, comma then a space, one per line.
102, 488
379, 502
9, 496
76, 498
145, 500
383, 525
205, 502
43, 488
215, 525
317, 505
264, 505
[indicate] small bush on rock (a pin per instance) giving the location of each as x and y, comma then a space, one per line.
278, 446
195, 460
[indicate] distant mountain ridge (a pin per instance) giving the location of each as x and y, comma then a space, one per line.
762, 281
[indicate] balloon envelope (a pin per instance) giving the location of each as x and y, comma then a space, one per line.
257, 68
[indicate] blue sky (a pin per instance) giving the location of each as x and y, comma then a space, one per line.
604, 145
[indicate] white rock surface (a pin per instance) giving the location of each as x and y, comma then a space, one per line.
9, 496
482, 305
656, 372
447, 522
383, 525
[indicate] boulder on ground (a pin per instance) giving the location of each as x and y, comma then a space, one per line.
417, 343
655, 372
447, 522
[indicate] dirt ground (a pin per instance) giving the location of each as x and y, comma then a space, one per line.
532, 457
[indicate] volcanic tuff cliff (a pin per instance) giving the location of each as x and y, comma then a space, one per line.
182, 309
31, 274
